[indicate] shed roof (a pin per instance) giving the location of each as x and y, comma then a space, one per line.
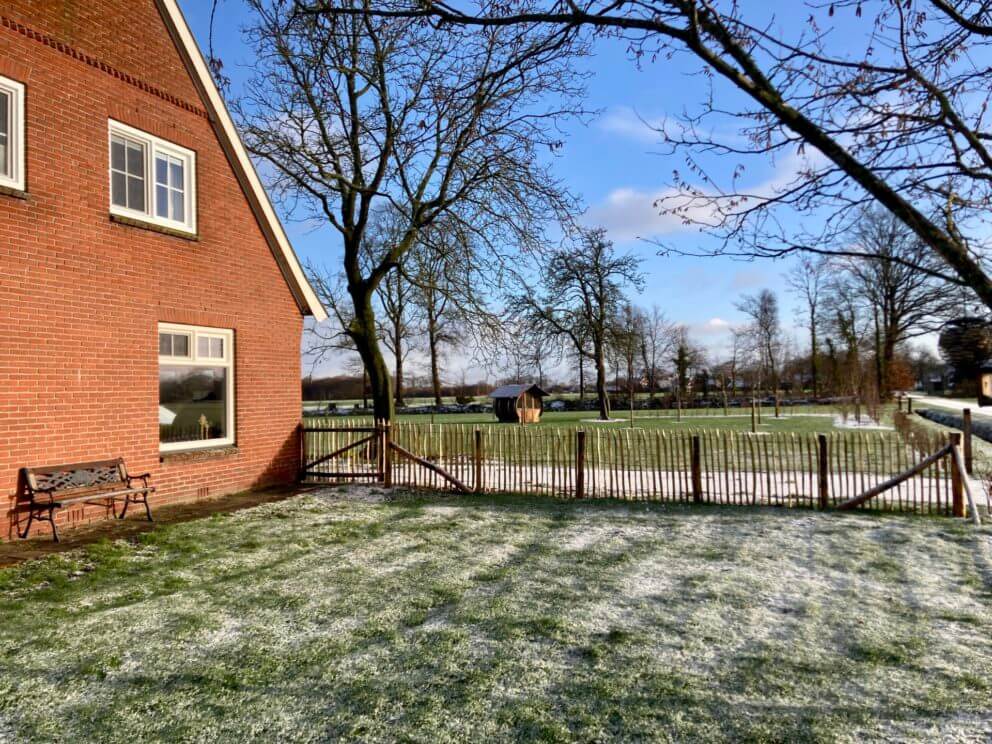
515, 391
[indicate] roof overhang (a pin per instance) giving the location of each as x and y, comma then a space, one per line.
515, 391
244, 169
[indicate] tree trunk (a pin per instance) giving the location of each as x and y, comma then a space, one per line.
812, 359
601, 392
888, 358
435, 367
398, 382
879, 361
363, 333
582, 376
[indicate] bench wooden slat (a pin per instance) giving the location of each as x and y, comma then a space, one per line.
95, 495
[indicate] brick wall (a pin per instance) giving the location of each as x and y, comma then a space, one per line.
81, 296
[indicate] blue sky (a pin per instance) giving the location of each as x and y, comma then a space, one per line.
613, 163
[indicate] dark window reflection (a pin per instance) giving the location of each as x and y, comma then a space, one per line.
192, 403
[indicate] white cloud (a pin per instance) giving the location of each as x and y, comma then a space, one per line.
629, 213
712, 327
626, 122
631, 124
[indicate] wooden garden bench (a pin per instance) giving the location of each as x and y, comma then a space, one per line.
104, 483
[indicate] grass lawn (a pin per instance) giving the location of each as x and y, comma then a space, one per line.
821, 421
331, 616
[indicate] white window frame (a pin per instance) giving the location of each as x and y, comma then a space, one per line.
15, 90
194, 360
174, 358
153, 146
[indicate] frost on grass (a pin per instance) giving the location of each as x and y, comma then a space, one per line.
375, 615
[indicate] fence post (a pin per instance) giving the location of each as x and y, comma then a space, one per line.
580, 463
387, 456
909, 405
754, 423
380, 463
478, 460
301, 433
822, 477
966, 430
899, 403
777, 405
957, 480
697, 472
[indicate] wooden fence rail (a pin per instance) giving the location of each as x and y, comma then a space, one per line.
715, 467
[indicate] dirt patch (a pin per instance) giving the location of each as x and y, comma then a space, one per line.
16, 551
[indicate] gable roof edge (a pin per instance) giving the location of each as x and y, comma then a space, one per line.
244, 169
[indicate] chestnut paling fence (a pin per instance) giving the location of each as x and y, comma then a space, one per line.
716, 467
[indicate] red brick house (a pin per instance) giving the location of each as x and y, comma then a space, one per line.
151, 305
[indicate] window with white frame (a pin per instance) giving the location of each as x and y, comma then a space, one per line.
11, 134
195, 387
151, 180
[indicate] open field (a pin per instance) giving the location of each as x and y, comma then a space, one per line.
812, 419
338, 615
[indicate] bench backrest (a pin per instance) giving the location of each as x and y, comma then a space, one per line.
74, 476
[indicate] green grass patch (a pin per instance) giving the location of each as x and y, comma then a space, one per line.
497, 618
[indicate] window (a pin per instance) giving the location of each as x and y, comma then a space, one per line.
127, 173
195, 387
11, 134
151, 180
174, 344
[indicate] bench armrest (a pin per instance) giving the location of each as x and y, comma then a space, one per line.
143, 478
49, 492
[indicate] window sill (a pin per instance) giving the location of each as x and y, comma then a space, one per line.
11, 191
196, 455
152, 227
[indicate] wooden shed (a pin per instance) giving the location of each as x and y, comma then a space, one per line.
521, 404
985, 385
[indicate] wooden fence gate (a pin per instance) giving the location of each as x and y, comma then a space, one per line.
367, 450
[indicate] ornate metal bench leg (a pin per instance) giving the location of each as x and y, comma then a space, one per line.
27, 529
148, 509
127, 500
51, 519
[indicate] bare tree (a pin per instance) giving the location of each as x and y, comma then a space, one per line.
765, 333
627, 343
686, 357
348, 111
891, 110
808, 281
518, 352
849, 326
582, 289
901, 301
427, 270
657, 339
399, 321
450, 277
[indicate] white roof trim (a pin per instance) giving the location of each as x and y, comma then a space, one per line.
290, 264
